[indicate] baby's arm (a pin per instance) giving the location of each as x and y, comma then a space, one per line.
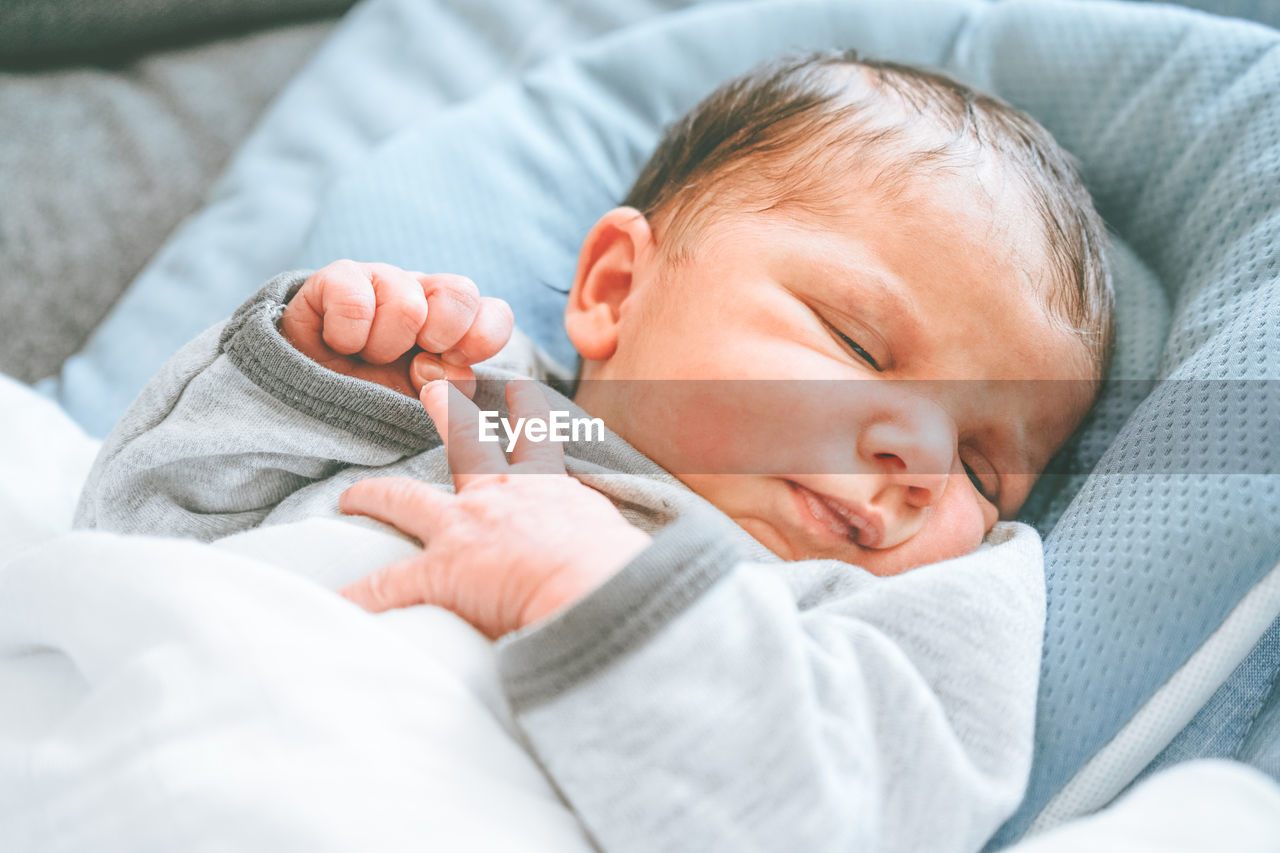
241, 418
698, 702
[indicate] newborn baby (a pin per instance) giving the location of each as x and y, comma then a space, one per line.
923, 255
847, 238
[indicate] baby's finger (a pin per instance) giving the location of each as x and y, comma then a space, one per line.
458, 421
346, 305
526, 400
489, 333
408, 505
427, 367
452, 303
401, 310
302, 325
403, 583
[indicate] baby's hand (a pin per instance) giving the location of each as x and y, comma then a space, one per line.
518, 541
399, 329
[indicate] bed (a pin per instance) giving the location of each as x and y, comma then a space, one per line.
1161, 637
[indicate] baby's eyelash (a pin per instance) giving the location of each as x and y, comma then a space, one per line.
859, 351
973, 478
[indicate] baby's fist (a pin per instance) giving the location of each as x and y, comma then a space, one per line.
397, 328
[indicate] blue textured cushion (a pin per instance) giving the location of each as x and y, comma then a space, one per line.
1175, 116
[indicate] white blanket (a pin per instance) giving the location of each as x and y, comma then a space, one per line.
161, 695
165, 695
173, 696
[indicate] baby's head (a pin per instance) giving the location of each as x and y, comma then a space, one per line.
826, 218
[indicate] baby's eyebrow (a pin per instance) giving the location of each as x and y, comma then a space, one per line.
888, 292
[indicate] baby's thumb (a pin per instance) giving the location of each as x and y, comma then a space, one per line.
427, 367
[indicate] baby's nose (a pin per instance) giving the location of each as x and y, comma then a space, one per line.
912, 443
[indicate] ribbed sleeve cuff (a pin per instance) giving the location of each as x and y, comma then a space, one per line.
377, 414
542, 661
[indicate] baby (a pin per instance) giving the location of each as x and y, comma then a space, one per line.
823, 218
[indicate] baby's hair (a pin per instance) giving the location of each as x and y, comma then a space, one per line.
774, 138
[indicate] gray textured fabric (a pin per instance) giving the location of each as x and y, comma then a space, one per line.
104, 164
1236, 721
892, 714
35, 30
1261, 745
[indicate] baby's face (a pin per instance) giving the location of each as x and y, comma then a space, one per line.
917, 316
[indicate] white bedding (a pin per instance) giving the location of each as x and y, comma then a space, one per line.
175, 696
166, 695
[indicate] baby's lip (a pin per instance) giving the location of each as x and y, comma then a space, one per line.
866, 528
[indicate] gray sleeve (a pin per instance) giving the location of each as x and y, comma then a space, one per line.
691, 703
234, 423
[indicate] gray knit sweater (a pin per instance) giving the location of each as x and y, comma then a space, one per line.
707, 697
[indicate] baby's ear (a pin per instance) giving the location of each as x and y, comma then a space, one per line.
611, 254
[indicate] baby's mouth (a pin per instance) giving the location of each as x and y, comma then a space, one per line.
841, 519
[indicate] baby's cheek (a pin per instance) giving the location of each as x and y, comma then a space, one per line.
959, 523
707, 440
687, 428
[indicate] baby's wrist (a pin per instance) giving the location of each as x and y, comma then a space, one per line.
568, 586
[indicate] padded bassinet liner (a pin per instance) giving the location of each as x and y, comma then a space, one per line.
1175, 116
1240, 720
1222, 665
1177, 120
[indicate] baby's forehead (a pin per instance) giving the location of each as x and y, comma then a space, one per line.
874, 135
883, 149
977, 209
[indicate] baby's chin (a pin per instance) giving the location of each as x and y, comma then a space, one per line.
768, 536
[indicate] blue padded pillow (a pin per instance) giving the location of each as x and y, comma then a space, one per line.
1175, 117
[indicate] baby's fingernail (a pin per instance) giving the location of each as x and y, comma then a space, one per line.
455, 358
431, 388
428, 371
